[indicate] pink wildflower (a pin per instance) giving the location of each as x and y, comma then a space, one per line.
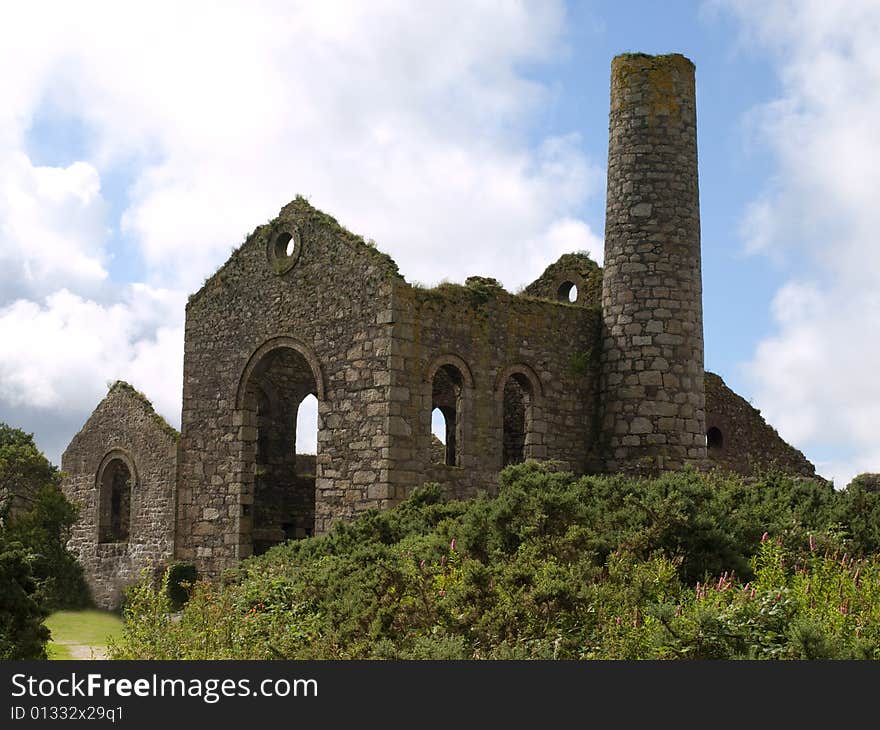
765, 536
452, 545
812, 544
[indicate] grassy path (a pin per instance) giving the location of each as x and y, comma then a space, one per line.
81, 634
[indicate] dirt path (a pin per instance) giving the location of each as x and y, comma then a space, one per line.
83, 651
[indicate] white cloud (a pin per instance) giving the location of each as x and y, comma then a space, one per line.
59, 354
408, 124
816, 376
52, 228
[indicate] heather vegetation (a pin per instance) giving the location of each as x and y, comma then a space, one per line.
554, 566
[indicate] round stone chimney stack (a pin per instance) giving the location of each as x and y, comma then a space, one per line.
652, 360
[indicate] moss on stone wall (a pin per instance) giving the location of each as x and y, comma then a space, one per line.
121, 385
666, 80
574, 268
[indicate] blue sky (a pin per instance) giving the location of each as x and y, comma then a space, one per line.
138, 145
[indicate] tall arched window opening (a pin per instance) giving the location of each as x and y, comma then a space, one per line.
446, 396
115, 503
281, 392
517, 417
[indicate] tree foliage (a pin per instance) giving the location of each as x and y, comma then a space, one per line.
37, 572
22, 633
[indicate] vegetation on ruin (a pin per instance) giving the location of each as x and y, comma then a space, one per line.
682, 566
166, 427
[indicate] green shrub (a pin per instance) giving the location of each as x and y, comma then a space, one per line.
553, 567
181, 577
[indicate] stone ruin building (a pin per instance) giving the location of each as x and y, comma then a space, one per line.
601, 371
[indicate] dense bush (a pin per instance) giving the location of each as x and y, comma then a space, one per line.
181, 576
552, 567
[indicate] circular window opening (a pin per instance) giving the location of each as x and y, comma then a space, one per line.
714, 438
568, 292
285, 245
284, 250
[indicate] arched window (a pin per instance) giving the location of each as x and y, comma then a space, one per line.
567, 292
279, 398
114, 520
516, 418
446, 397
714, 438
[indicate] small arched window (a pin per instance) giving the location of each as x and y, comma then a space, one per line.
567, 292
115, 502
714, 438
446, 395
517, 418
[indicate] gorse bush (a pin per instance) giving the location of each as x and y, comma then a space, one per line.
552, 567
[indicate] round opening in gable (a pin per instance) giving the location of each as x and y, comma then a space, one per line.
714, 438
284, 250
568, 292
285, 245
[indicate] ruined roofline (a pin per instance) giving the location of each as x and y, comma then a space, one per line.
300, 207
124, 387
716, 387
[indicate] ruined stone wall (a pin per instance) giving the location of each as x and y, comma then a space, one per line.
123, 431
652, 361
741, 441
570, 270
300, 283
306, 307
488, 335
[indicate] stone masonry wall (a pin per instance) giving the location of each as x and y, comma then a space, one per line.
576, 269
652, 362
489, 335
741, 441
301, 283
123, 429
599, 371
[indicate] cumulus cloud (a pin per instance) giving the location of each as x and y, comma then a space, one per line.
68, 348
412, 127
52, 228
815, 377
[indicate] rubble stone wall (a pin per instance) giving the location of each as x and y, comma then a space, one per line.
303, 285
653, 402
124, 432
